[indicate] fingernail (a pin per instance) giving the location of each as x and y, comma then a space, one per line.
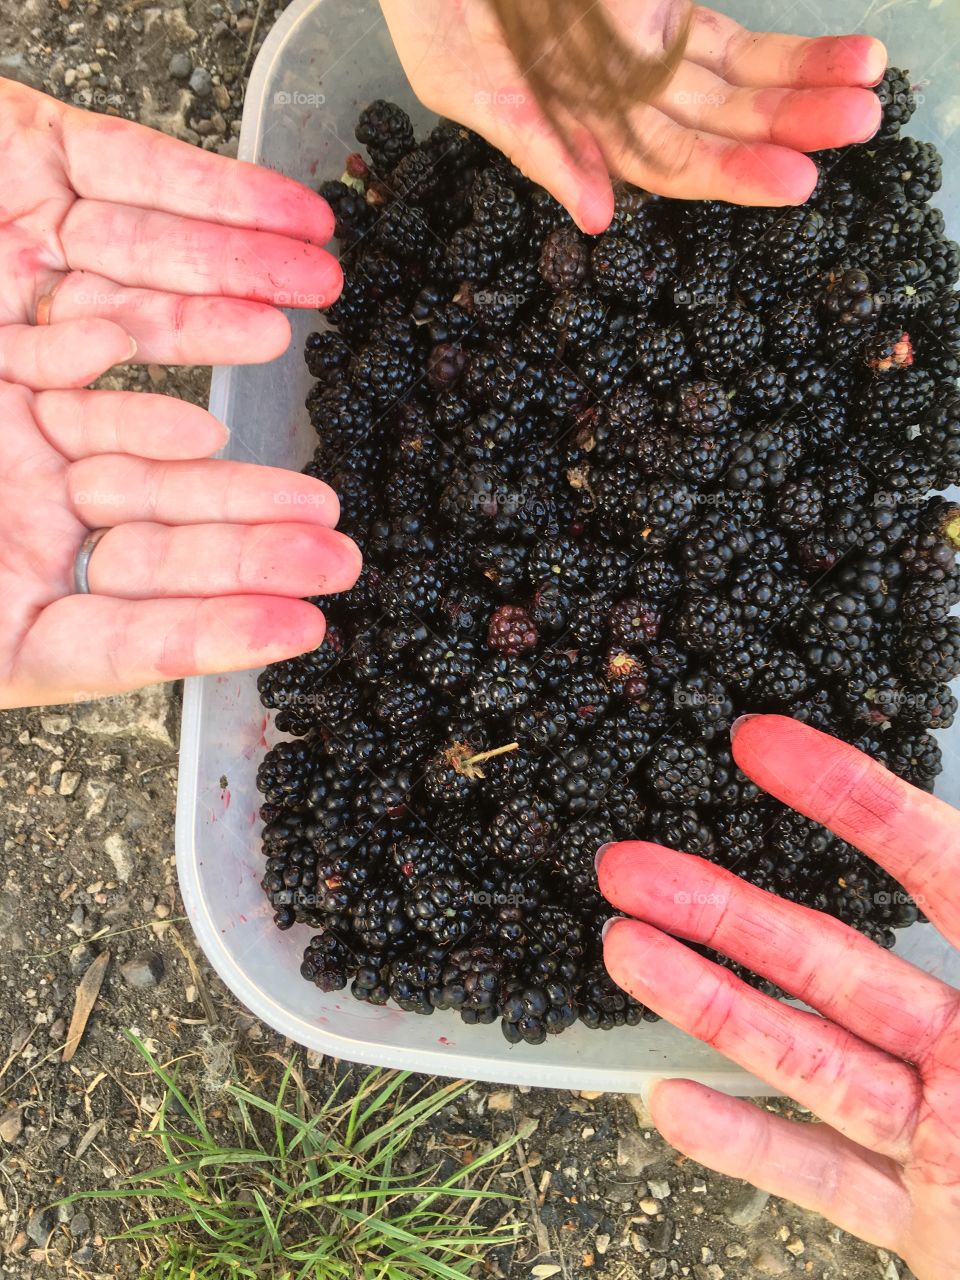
600, 852
133, 349
608, 924
740, 722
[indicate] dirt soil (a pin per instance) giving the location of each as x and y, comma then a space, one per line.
87, 796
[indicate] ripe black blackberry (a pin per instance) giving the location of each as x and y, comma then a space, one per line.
680, 773
524, 832
764, 458
385, 130
705, 621
902, 167
930, 654
624, 270
530, 1013
702, 407
791, 328
714, 545
472, 979
663, 358
897, 100
602, 1005
796, 238
578, 317
326, 961
727, 339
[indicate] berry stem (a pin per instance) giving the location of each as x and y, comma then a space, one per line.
488, 755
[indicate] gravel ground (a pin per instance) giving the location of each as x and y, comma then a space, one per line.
86, 821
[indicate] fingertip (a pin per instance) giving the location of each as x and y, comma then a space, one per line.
875, 60
275, 338
593, 208
285, 629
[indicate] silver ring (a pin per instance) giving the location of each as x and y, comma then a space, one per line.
81, 565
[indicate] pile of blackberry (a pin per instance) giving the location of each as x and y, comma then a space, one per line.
611, 492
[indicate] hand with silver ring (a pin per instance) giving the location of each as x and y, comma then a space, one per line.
123, 244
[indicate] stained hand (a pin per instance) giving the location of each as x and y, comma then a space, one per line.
732, 123
880, 1065
117, 243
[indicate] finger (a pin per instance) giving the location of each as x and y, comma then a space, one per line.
572, 168
127, 644
867, 1095
809, 1164
116, 488
689, 165
80, 424
149, 561
910, 833
173, 328
62, 355
882, 998
160, 251
114, 160
803, 119
756, 58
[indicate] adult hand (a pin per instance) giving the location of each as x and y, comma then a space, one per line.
881, 1067
732, 124
113, 235
117, 243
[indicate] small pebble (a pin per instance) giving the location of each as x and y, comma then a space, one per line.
69, 782
11, 1125
180, 67
658, 1268
658, 1189
143, 971
649, 1206
500, 1101
735, 1250
79, 1225
55, 725
769, 1261
201, 82
795, 1246
602, 1243
662, 1236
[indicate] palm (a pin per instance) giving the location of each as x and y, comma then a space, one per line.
117, 243
732, 123
878, 1063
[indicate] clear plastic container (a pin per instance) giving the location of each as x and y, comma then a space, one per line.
322, 62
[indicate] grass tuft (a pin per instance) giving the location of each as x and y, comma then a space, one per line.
294, 1188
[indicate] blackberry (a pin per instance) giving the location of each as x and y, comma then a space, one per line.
378, 918
531, 1013
680, 773
931, 654
660, 510
796, 239
502, 686
849, 298
704, 703
415, 984
602, 1005
512, 631
385, 130
353, 216
441, 904
634, 622
705, 621
702, 407
663, 359
764, 458
472, 979
578, 317
624, 270
656, 578
791, 328
727, 339
523, 832
327, 961
898, 101
564, 259
904, 167
497, 212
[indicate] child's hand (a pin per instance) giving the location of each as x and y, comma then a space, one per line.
732, 124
